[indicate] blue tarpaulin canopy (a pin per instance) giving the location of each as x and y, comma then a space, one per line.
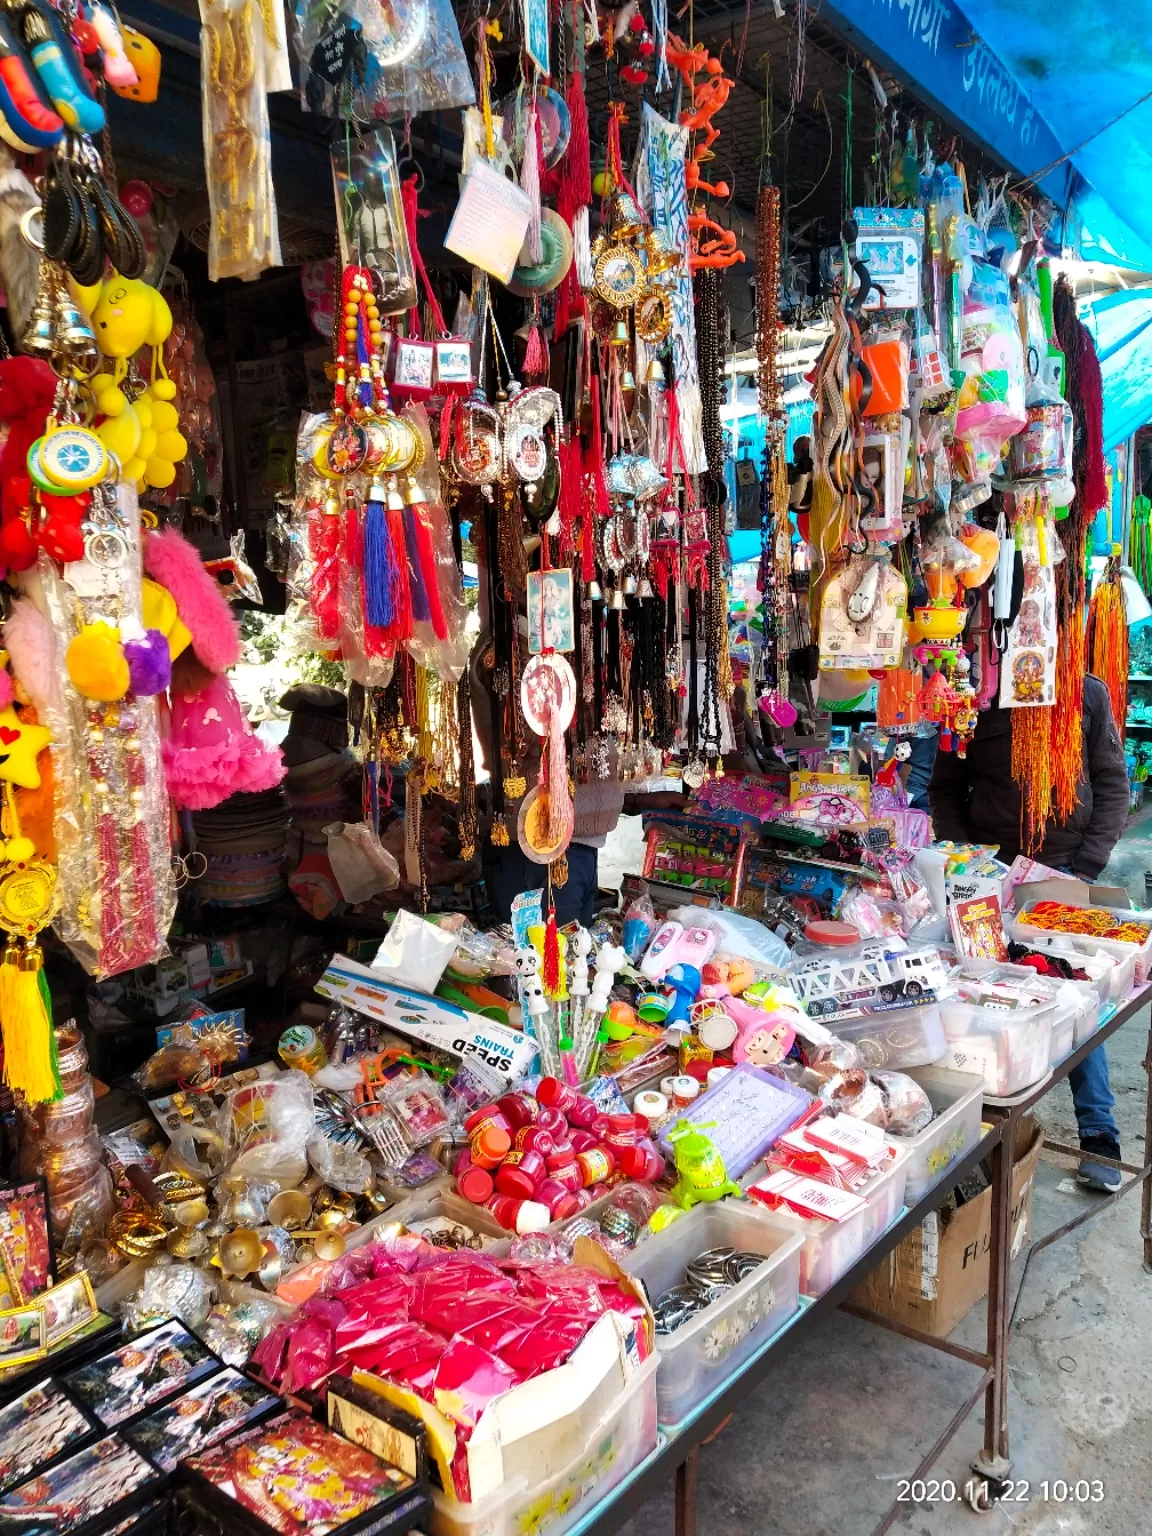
1121, 326
1087, 71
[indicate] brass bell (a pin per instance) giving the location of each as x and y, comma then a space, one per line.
630, 585
595, 595
656, 374
626, 220
619, 336
662, 257
616, 601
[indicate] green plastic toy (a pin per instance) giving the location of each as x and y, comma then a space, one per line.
703, 1176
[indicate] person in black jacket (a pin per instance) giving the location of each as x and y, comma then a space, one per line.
974, 799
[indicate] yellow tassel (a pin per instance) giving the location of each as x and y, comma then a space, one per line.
28, 1065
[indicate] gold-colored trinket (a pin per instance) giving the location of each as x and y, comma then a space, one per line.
619, 276
653, 315
27, 897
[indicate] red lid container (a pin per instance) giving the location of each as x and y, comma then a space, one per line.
515, 1182
536, 1139
489, 1113
596, 1165
562, 1152
572, 1204
553, 1094
568, 1173
582, 1140
553, 1121
475, 1185
582, 1111
489, 1146
550, 1192
641, 1162
519, 1109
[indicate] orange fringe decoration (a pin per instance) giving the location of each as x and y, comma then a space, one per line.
1067, 734
1032, 770
1108, 640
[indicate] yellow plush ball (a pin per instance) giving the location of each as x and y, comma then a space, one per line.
18, 850
171, 445
143, 408
121, 434
164, 389
159, 473
147, 443
165, 417
109, 397
133, 471
96, 664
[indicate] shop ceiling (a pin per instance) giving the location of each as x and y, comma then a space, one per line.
1001, 73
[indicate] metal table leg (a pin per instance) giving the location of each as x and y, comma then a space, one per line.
687, 1474
1146, 1192
993, 1461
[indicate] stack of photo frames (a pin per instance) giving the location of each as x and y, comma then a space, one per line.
45, 1323
100, 1449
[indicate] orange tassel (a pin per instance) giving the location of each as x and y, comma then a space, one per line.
1032, 771
1067, 735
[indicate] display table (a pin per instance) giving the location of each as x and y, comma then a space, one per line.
677, 1451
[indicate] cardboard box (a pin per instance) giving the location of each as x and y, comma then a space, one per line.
431, 1020
939, 1272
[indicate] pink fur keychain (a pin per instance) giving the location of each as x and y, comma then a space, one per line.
175, 563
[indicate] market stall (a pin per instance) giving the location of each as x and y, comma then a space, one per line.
367, 1165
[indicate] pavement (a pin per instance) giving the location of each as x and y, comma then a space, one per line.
821, 1447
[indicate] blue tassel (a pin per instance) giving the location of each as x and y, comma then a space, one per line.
379, 566
420, 610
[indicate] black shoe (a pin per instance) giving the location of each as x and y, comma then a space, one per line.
1099, 1175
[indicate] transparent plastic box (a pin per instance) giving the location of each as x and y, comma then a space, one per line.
958, 1099
1063, 1033
897, 1039
1009, 1047
1139, 954
696, 1358
604, 1453
830, 1248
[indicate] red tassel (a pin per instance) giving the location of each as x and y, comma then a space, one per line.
576, 166
422, 517
536, 352
596, 452
587, 553
551, 976
400, 628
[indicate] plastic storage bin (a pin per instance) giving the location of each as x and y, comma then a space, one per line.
1140, 954
710, 1346
1063, 1033
746, 1111
832, 1247
615, 1444
895, 1039
957, 1098
1009, 1047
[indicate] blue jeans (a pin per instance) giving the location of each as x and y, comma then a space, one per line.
1092, 1097
921, 763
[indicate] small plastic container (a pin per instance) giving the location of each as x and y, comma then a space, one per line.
604, 1451
700, 1354
897, 1038
1010, 1048
746, 1111
958, 1099
832, 1247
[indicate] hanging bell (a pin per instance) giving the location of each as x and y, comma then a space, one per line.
616, 601
656, 374
39, 336
626, 221
662, 256
75, 341
595, 595
630, 585
619, 336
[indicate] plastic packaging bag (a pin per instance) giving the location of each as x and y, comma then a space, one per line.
362, 865
374, 62
415, 953
738, 935
266, 1126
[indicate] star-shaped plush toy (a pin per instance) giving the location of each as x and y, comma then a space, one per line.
20, 746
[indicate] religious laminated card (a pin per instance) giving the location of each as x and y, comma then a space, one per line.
26, 1263
68, 1307
1028, 665
23, 1335
889, 242
551, 608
